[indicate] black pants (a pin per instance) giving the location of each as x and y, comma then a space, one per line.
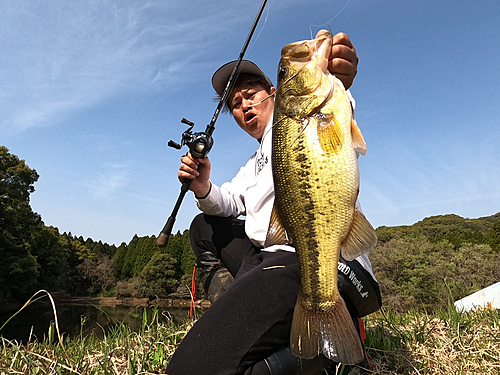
252, 319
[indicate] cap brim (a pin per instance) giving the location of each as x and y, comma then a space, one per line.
221, 76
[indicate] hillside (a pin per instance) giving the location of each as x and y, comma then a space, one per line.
452, 227
436, 261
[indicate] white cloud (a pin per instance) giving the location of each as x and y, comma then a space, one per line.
107, 183
58, 57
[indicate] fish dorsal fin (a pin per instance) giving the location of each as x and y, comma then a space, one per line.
357, 138
276, 234
360, 239
329, 134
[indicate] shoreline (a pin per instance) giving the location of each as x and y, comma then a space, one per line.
133, 302
113, 301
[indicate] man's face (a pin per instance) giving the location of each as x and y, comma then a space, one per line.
252, 108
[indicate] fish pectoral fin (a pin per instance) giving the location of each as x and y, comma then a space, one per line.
330, 332
276, 233
357, 138
330, 134
360, 239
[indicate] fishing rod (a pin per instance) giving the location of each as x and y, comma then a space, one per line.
201, 143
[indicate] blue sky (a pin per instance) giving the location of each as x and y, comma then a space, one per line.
91, 92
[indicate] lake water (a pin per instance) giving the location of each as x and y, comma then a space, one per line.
35, 319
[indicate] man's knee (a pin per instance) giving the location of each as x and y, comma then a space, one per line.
197, 228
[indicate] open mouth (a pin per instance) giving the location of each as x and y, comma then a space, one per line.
249, 117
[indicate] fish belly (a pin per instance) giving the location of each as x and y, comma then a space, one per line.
316, 193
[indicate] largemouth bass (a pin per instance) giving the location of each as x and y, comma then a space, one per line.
316, 179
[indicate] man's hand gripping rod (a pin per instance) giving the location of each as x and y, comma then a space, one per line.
201, 143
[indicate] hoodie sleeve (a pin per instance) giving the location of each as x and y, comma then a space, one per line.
229, 198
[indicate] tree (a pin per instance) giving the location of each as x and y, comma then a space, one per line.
129, 258
99, 271
493, 236
188, 260
18, 268
411, 272
158, 277
415, 272
119, 261
477, 267
51, 256
145, 248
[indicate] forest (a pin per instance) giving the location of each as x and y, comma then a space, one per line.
423, 266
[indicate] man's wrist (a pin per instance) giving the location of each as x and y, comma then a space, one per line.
207, 193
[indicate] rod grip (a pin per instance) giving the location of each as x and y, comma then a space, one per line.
162, 240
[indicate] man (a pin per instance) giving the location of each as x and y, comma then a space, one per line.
247, 328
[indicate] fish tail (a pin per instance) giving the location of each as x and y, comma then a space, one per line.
331, 333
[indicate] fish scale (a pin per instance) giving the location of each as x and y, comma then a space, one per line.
316, 179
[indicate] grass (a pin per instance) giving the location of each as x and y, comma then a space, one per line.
447, 342
120, 351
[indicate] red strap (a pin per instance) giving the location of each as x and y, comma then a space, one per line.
362, 332
193, 293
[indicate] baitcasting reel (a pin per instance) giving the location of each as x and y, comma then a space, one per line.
199, 144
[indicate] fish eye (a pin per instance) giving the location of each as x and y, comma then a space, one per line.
282, 72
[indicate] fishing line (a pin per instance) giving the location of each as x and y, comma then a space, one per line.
262, 28
201, 143
326, 23
267, 97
